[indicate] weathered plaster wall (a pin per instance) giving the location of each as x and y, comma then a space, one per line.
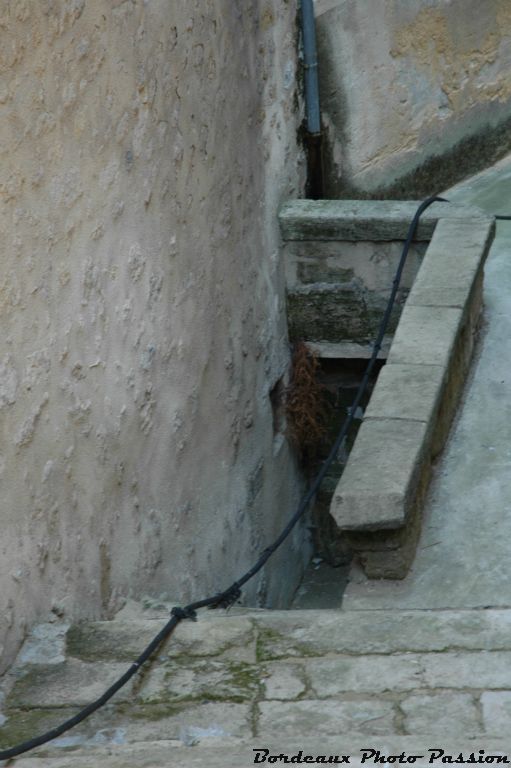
403, 81
145, 147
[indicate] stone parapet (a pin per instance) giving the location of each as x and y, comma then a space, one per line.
380, 495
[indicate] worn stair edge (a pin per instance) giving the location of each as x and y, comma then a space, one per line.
377, 220
385, 481
269, 634
348, 350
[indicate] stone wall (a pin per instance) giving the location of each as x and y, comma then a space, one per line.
414, 93
145, 147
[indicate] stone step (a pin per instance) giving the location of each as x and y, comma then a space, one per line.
339, 313
269, 676
365, 220
348, 350
251, 635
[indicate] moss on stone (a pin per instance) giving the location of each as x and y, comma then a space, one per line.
25, 724
34, 678
93, 642
344, 312
466, 158
227, 681
319, 271
272, 646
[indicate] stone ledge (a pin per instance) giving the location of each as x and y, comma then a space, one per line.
380, 496
377, 220
348, 350
444, 279
379, 481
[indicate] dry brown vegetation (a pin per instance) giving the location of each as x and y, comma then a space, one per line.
306, 407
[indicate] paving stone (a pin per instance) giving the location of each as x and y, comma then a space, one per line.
408, 672
377, 488
496, 706
406, 392
100, 728
444, 714
211, 635
110, 641
45, 644
73, 683
166, 721
364, 674
340, 312
284, 681
453, 262
314, 633
280, 719
426, 335
467, 670
130, 723
203, 679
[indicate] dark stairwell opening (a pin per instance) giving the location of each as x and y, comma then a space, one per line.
325, 392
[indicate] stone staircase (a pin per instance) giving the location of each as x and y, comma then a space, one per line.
340, 257
325, 682
421, 666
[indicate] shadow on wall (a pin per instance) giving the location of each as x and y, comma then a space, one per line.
414, 96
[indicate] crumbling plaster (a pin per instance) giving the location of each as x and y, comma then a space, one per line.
403, 81
145, 148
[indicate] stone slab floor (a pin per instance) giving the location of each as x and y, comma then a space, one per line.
413, 667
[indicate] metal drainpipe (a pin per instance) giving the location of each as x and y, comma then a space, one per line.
314, 138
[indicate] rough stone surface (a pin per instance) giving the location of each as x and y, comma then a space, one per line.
462, 558
318, 633
70, 684
379, 483
364, 220
354, 679
434, 75
285, 681
146, 148
363, 674
281, 719
125, 639
453, 262
349, 350
437, 356
407, 672
445, 714
496, 707
337, 313
200, 681
46, 644
409, 392
334, 261
426, 335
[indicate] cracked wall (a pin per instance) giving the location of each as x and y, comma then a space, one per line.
406, 81
145, 149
